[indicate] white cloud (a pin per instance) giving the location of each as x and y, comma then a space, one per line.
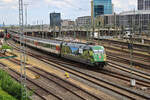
61, 3
8, 4
69, 8
124, 4
7, 1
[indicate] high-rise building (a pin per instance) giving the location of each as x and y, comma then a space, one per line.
67, 23
143, 4
83, 21
101, 7
55, 19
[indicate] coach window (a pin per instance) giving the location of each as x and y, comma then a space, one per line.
50, 46
54, 47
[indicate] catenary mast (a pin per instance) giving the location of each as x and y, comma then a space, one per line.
22, 52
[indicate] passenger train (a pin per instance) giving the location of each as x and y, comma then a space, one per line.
93, 55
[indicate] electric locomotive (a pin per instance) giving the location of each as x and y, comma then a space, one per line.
92, 55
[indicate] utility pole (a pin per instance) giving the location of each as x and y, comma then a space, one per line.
42, 30
99, 29
26, 14
60, 31
3, 24
93, 29
22, 53
87, 33
26, 23
93, 21
133, 81
74, 32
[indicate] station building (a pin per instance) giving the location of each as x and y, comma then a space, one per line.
139, 19
67, 23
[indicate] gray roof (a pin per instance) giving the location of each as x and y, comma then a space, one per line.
135, 12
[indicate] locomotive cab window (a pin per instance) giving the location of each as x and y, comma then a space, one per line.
98, 50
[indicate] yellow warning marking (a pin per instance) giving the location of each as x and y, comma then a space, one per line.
37, 76
67, 74
28, 66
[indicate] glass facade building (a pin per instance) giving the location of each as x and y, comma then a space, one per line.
143, 4
55, 19
102, 7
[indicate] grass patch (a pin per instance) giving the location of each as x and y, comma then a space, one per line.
11, 86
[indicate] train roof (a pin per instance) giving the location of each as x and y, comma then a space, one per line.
78, 45
81, 45
72, 44
44, 40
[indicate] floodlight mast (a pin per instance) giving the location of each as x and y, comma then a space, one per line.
22, 52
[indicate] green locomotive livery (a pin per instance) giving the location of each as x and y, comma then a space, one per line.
88, 54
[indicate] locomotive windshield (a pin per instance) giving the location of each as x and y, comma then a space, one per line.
98, 50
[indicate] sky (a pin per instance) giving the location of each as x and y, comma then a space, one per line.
39, 10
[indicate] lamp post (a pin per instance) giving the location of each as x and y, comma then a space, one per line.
87, 33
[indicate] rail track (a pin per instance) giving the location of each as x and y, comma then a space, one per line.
97, 81
64, 61
124, 60
70, 70
126, 54
126, 50
114, 65
72, 90
31, 84
116, 43
136, 72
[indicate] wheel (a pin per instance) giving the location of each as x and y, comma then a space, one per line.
101, 66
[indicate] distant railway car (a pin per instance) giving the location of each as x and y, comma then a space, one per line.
88, 54
50, 46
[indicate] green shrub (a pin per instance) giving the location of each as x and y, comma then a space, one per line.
10, 86
5, 96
